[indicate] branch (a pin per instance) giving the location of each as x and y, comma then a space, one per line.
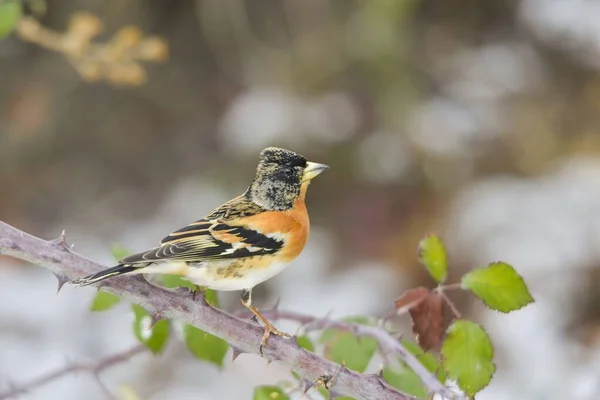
94, 368
242, 335
387, 343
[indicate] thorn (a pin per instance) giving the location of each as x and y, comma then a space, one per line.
154, 318
307, 385
61, 281
382, 380
315, 322
235, 353
62, 240
276, 305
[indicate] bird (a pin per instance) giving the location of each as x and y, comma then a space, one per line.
243, 242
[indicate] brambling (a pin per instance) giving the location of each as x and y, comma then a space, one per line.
242, 243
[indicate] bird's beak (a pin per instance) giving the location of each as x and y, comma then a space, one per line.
313, 169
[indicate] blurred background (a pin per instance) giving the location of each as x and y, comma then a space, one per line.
478, 121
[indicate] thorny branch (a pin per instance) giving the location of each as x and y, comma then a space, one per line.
94, 368
243, 335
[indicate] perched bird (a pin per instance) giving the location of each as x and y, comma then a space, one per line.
243, 242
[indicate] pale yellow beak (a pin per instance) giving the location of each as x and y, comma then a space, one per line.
313, 169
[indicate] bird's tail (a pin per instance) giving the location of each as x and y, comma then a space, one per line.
107, 273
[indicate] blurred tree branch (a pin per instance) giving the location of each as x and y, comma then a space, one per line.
117, 61
94, 368
243, 335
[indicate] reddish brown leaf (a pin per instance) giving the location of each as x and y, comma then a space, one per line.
410, 298
428, 320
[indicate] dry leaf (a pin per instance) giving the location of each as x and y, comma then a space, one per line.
428, 320
410, 298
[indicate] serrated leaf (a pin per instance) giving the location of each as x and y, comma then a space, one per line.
432, 255
499, 286
345, 348
269, 393
428, 360
155, 337
205, 346
104, 301
467, 355
406, 380
119, 252
11, 12
305, 342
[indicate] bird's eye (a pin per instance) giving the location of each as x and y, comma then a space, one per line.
288, 171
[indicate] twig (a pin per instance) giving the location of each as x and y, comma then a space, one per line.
240, 334
450, 304
387, 343
94, 368
452, 286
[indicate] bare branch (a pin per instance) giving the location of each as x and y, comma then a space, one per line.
240, 334
94, 368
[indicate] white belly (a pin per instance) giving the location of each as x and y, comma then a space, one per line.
205, 276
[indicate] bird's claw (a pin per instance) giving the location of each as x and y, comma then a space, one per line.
271, 330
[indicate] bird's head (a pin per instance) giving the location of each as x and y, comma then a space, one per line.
282, 177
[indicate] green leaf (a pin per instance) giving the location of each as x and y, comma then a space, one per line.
428, 360
10, 14
269, 393
405, 380
344, 347
119, 252
155, 337
467, 355
104, 301
204, 345
172, 281
432, 255
499, 286
305, 342
211, 297
360, 320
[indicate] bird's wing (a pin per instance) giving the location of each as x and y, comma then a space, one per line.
220, 235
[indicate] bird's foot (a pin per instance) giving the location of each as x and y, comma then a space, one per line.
271, 330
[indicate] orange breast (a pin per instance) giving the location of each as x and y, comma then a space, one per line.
293, 224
